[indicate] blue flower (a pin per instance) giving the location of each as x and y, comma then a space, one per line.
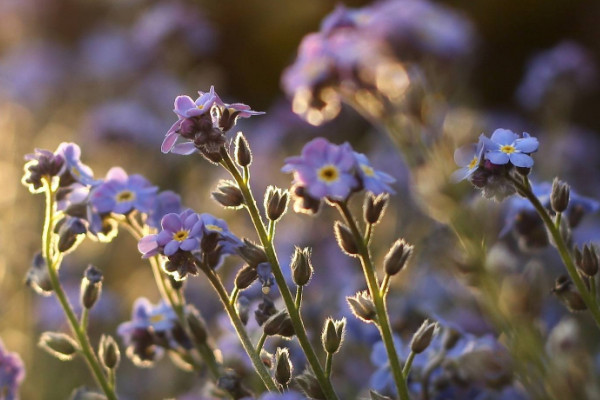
78, 171
228, 241
376, 182
121, 194
166, 202
12, 373
324, 169
179, 231
468, 158
506, 146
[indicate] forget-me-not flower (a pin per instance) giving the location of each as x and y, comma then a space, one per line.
120, 193
506, 146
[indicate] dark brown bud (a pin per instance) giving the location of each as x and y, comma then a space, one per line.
279, 324
559, 197
587, 259
59, 345
345, 239
109, 352
243, 155
228, 195
70, 231
374, 207
252, 253
232, 384
283, 366
245, 277
423, 337
310, 385
91, 286
333, 335
568, 295
276, 202
362, 306
396, 257
301, 266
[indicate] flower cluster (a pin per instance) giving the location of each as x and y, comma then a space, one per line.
328, 171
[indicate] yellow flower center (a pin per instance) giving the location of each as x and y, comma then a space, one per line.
328, 174
200, 107
474, 162
508, 149
213, 228
367, 170
125, 195
180, 235
156, 318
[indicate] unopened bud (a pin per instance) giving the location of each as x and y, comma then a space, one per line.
587, 259
450, 338
559, 197
109, 352
91, 286
245, 277
264, 310
197, 325
252, 253
423, 337
243, 155
279, 324
374, 207
37, 277
362, 306
333, 334
276, 202
59, 345
568, 295
345, 239
396, 257
228, 194
283, 366
69, 232
301, 266
243, 309
231, 382
310, 386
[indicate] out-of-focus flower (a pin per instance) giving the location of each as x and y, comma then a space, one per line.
12, 373
166, 202
41, 164
376, 182
506, 146
73, 168
468, 158
120, 193
567, 65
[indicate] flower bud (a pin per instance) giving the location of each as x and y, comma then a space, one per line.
423, 337
450, 338
59, 345
333, 334
303, 202
345, 239
252, 253
310, 385
109, 352
232, 384
69, 231
301, 266
374, 207
283, 366
568, 295
243, 309
559, 197
396, 257
362, 306
264, 310
37, 277
587, 260
91, 286
245, 277
276, 202
279, 324
243, 155
214, 157
196, 324
228, 194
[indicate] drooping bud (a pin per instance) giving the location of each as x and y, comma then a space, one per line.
109, 352
333, 335
559, 197
264, 310
37, 277
345, 240
243, 154
276, 202
279, 324
450, 338
283, 366
423, 337
214, 157
362, 306
252, 253
303, 202
310, 385
245, 277
91, 286
301, 266
374, 207
228, 194
196, 324
568, 295
587, 259
69, 232
243, 309
397, 256
59, 345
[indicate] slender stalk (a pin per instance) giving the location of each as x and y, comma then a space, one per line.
565, 255
408, 364
369, 233
593, 288
234, 295
385, 285
298, 301
261, 342
378, 300
260, 368
80, 335
290, 305
83, 320
328, 364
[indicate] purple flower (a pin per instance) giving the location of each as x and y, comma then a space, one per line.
166, 202
374, 181
468, 158
179, 231
42, 163
120, 193
324, 169
228, 241
506, 146
78, 171
12, 373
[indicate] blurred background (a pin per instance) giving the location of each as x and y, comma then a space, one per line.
104, 74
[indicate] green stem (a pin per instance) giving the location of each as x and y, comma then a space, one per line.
385, 285
378, 300
593, 288
298, 301
259, 366
525, 189
408, 364
77, 330
369, 233
261, 342
234, 295
290, 305
328, 364
83, 320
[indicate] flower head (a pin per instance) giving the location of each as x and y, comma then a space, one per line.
179, 231
41, 164
376, 182
12, 373
120, 193
73, 169
468, 158
506, 146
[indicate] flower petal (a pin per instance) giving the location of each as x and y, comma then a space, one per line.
521, 160
171, 222
497, 157
504, 136
171, 248
527, 145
